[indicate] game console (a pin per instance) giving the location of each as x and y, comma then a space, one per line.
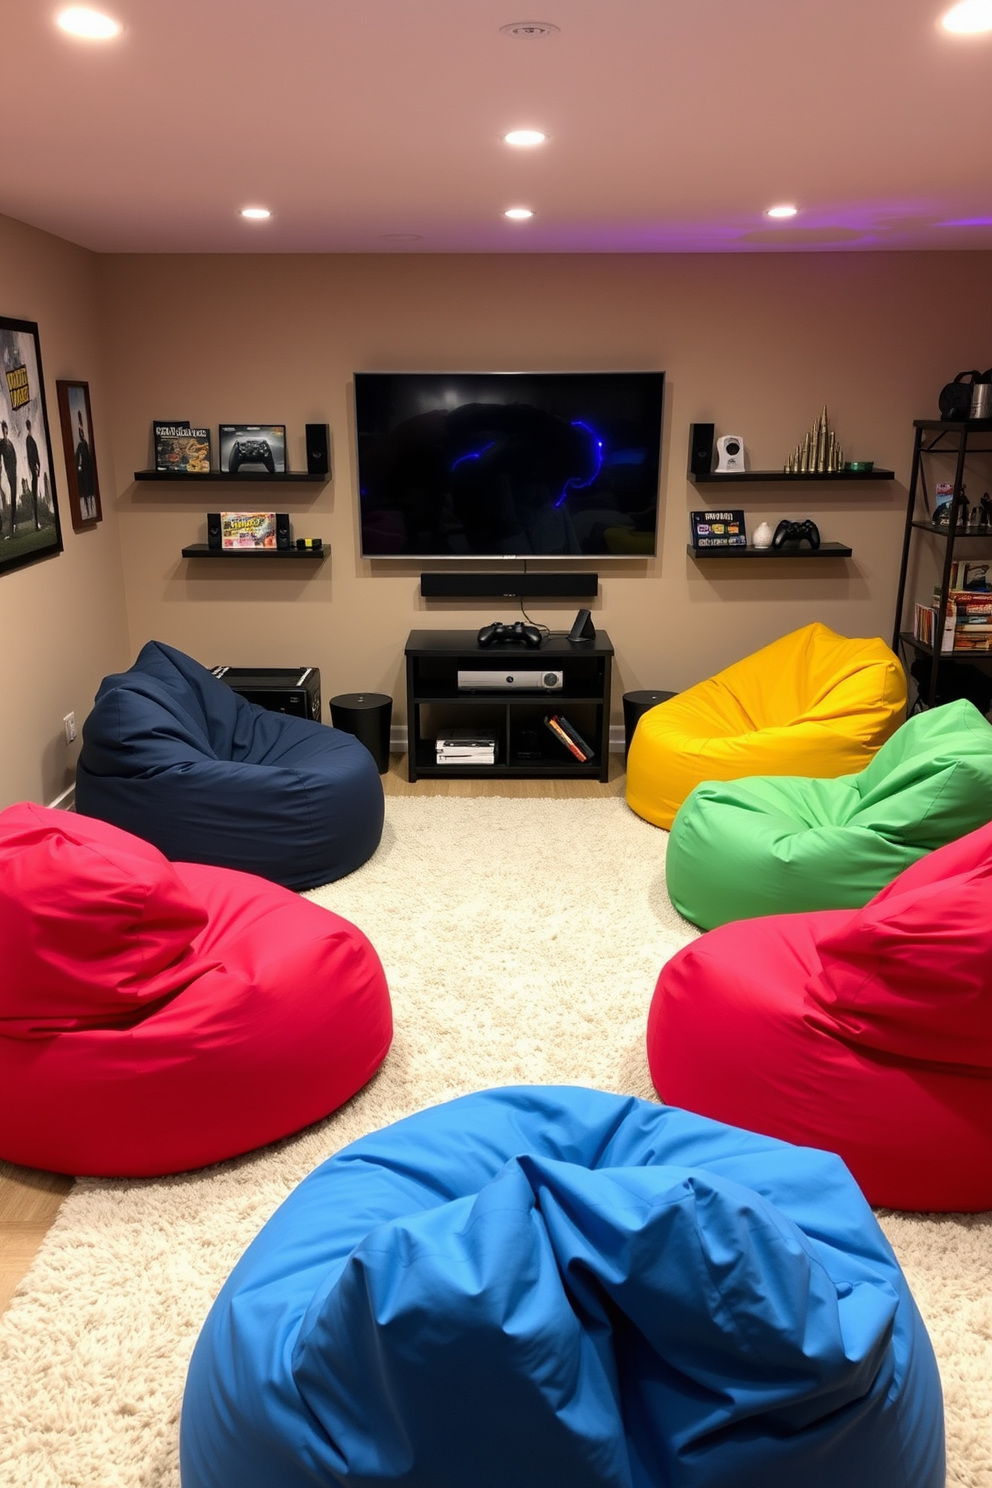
546, 680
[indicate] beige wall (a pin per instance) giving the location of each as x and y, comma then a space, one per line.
63, 618
755, 343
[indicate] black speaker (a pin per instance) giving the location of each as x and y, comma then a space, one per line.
701, 449
213, 529
318, 449
509, 585
283, 539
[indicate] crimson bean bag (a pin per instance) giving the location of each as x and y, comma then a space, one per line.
866, 1032
157, 1016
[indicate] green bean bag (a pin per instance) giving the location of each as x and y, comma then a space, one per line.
777, 844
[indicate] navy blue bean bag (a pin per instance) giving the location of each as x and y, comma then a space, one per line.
558, 1288
173, 755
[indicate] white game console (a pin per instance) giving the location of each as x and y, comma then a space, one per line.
541, 679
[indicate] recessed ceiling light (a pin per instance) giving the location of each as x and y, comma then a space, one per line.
529, 30
968, 18
782, 211
80, 21
524, 137
518, 214
256, 214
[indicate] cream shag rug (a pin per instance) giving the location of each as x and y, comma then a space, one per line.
521, 940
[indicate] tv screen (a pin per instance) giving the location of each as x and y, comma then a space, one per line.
508, 464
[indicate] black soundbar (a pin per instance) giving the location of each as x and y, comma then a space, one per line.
509, 585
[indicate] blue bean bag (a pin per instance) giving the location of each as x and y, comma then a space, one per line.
173, 755
560, 1288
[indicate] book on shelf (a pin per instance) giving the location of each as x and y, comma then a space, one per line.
718, 529
566, 734
968, 578
248, 529
181, 449
925, 625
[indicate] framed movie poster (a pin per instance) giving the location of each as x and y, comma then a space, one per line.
29, 513
80, 455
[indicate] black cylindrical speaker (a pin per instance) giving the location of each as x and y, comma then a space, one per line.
635, 704
318, 449
282, 530
213, 530
701, 448
368, 716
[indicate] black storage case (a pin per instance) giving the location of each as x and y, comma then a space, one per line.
281, 689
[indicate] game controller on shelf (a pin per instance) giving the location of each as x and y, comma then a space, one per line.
796, 532
518, 631
251, 452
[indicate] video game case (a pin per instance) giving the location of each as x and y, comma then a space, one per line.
552, 723
574, 735
181, 449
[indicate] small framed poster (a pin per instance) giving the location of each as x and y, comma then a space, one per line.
80, 454
718, 529
253, 449
248, 529
29, 512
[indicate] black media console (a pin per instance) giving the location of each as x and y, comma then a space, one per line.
525, 747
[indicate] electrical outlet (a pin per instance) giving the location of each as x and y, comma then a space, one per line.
69, 724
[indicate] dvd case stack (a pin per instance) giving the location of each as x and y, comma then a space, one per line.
466, 747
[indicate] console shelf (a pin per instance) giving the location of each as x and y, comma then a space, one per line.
788, 550
525, 749
245, 477
270, 555
795, 478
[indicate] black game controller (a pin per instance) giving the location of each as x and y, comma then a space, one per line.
518, 631
251, 452
796, 532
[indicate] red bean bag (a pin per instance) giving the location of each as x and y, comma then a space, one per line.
157, 1016
866, 1032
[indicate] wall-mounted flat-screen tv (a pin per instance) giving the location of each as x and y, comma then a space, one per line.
508, 464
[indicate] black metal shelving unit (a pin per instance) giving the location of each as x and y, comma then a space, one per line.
952, 440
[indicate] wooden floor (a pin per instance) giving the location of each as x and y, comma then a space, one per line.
29, 1200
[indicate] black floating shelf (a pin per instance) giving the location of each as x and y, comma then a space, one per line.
203, 550
733, 477
245, 477
944, 529
788, 550
964, 655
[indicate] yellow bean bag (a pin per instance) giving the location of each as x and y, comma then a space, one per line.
813, 703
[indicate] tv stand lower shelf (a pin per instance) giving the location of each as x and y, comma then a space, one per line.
525, 747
